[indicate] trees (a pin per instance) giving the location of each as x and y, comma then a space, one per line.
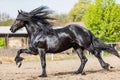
61, 19
6, 23
78, 10
5, 19
103, 19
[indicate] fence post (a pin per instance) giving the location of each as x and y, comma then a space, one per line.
52, 57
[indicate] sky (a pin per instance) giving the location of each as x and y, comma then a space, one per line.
11, 7
58, 6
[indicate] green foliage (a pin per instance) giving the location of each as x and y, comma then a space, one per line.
5, 20
2, 43
103, 19
78, 10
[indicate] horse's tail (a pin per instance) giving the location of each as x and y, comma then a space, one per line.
98, 45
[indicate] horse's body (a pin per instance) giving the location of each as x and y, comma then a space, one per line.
44, 39
62, 39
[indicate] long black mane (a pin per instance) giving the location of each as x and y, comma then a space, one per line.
41, 17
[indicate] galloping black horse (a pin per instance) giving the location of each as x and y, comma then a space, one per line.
44, 39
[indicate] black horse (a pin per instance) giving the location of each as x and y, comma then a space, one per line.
44, 39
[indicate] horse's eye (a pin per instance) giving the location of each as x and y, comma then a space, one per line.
17, 19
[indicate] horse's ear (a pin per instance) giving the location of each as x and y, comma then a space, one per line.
18, 11
23, 15
21, 11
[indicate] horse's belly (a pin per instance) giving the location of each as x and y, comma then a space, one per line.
58, 48
57, 51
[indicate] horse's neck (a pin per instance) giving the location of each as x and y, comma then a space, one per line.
31, 29
35, 29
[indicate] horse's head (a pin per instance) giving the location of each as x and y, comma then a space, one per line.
39, 14
20, 21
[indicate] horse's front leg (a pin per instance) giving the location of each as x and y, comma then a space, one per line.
43, 62
19, 59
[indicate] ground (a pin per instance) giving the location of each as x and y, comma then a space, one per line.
62, 70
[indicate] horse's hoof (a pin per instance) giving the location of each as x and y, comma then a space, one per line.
19, 65
106, 67
77, 72
43, 75
111, 67
19, 60
83, 73
119, 57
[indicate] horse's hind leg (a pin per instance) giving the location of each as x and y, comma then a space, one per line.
103, 64
82, 58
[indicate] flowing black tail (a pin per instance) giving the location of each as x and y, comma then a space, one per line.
99, 45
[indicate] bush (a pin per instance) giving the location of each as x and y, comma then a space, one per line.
2, 42
103, 19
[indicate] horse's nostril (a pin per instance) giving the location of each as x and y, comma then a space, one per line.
10, 29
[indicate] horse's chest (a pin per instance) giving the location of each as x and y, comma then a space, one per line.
52, 43
36, 42
39, 43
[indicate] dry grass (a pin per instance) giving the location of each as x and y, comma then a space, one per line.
6, 60
32, 58
0, 62
56, 57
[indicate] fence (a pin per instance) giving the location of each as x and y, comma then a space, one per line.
10, 52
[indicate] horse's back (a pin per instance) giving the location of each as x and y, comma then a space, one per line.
76, 33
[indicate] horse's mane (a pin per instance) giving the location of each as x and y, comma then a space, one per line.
41, 17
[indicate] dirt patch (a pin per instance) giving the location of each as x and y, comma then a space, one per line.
61, 70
